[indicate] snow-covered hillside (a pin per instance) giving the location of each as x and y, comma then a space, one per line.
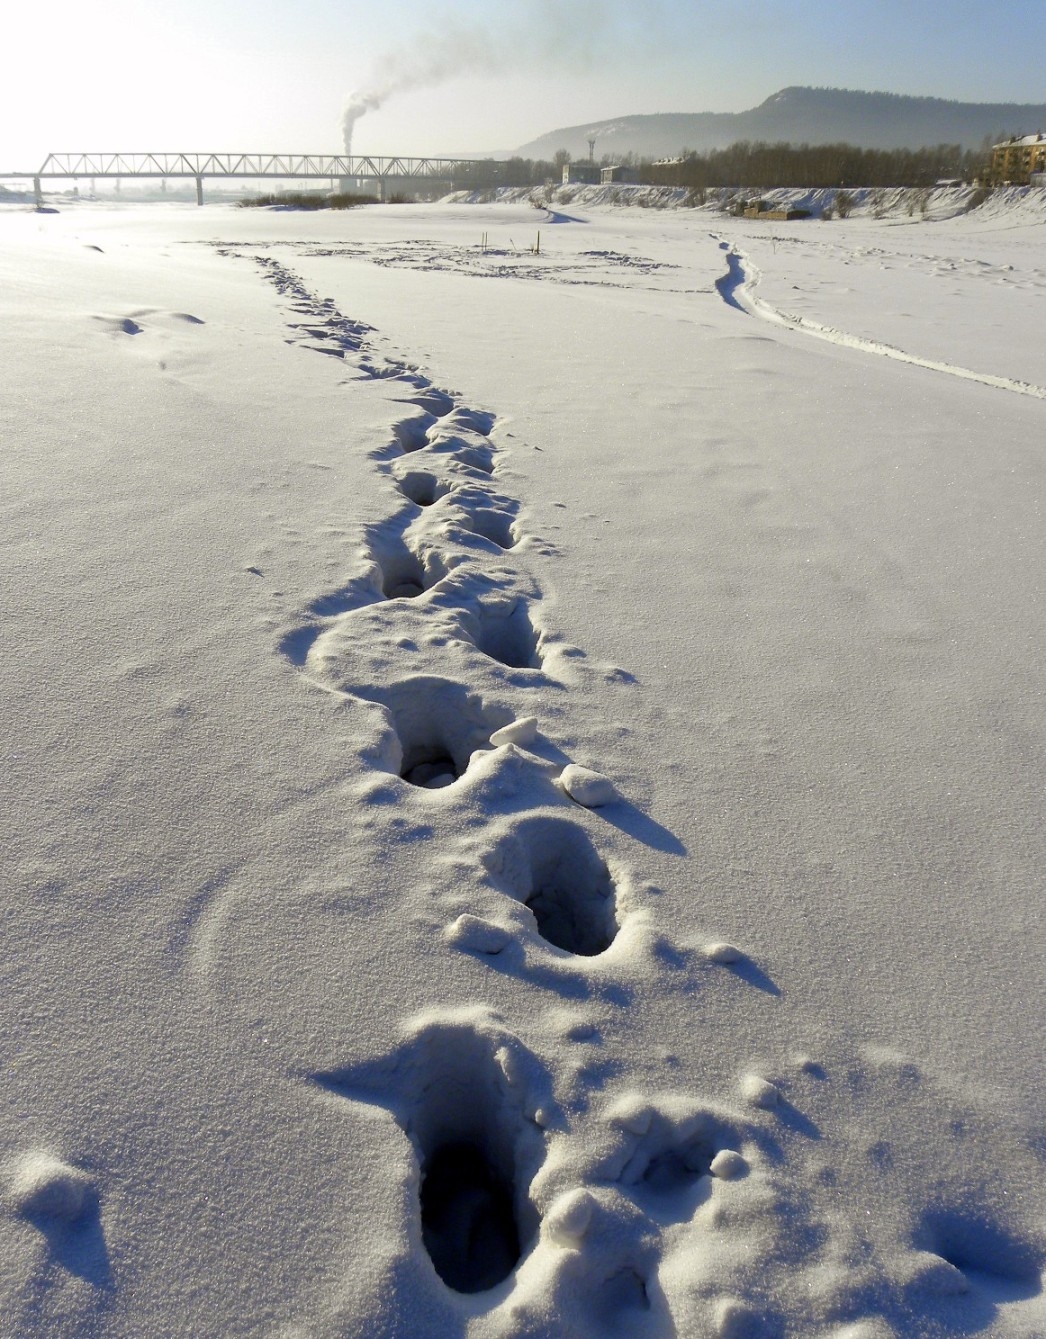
523, 773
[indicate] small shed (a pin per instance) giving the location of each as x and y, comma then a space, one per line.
613, 175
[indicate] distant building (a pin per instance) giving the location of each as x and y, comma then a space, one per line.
583, 172
609, 176
1016, 160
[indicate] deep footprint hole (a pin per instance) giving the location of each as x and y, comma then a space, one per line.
493, 525
509, 638
435, 402
477, 1155
439, 724
675, 1168
554, 870
431, 767
462, 1096
411, 433
402, 576
468, 1221
422, 488
571, 919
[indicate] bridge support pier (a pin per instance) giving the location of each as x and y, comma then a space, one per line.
38, 192
199, 190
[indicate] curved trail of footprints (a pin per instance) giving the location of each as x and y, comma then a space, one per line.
737, 289
563, 1213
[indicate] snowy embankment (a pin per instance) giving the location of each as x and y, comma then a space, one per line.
523, 776
1026, 204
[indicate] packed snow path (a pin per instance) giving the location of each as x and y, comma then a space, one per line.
396, 966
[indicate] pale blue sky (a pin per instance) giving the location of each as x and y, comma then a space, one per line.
465, 75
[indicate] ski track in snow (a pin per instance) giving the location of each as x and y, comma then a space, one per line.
541, 1208
737, 289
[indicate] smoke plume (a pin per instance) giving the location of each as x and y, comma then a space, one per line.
558, 33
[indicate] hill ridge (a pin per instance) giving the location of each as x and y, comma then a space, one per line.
800, 114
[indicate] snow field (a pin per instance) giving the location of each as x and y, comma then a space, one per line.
491, 1061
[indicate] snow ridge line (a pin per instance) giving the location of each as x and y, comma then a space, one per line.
738, 291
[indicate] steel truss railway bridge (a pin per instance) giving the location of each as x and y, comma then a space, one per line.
295, 166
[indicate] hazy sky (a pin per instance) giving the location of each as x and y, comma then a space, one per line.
464, 75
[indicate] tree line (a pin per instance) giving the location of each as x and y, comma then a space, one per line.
756, 164
817, 165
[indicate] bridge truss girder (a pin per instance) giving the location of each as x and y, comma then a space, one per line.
300, 166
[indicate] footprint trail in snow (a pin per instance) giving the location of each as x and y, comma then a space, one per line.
546, 1194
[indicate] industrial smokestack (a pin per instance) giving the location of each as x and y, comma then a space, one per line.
358, 105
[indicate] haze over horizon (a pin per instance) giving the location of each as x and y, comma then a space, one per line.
225, 75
